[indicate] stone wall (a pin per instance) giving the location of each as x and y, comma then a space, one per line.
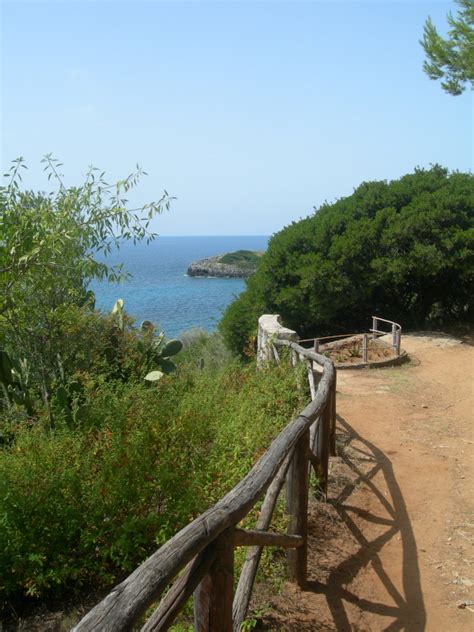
269, 328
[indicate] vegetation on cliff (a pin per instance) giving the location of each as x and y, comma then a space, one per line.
402, 249
244, 258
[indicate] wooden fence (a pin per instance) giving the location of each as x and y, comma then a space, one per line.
395, 330
199, 560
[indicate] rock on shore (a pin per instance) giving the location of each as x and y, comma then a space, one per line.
213, 267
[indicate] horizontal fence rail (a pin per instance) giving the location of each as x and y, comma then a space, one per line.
395, 330
201, 555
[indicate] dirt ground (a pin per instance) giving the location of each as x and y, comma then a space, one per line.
393, 548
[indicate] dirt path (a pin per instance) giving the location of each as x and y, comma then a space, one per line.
393, 550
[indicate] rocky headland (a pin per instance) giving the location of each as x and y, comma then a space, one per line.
234, 265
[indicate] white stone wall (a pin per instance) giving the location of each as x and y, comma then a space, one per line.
269, 328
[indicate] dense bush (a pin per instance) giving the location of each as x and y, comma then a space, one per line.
84, 504
401, 249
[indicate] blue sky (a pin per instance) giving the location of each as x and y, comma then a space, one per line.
251, 113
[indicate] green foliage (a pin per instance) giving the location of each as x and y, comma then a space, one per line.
243, 258
203, 350
154, 350
86, 504
451, 59
52, 246
59, 234
248, 624
400, 249
238, 324
171, 348
14, 383
102, 455
46, 318
120, 352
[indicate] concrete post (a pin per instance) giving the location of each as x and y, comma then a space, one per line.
269, 328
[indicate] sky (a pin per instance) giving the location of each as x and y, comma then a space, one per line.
250, 113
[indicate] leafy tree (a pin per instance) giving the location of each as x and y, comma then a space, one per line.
451, 59
51, 246
402, 249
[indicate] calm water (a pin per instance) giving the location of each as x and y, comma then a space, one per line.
161, 292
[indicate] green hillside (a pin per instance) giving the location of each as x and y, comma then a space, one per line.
244, 258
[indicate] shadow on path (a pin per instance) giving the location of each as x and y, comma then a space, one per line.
405, 609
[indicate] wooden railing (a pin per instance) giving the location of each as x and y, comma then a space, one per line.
201, 556
395, 330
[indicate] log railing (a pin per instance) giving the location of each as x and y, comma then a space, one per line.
395, 330
199, 560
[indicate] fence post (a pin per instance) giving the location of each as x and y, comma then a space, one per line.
394, 336
364, 348
213, 596
374, 327
312, 383
269, 328
316, 345
294, 358
399, 338
322, 445
332, 430
297, 507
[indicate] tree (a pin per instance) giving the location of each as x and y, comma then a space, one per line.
403, 250
51, 246
451, 59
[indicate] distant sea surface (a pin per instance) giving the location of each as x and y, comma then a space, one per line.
159, 289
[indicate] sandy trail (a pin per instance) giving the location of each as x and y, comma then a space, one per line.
393, 548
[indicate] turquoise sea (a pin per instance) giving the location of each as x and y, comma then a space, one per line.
159, 289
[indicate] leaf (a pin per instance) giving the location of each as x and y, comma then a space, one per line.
154, 376
166, 365
171, 348
118, 306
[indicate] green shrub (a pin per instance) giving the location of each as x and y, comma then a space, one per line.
244, 258
96, 348
403, 250
203, 350
86, 504
238, 324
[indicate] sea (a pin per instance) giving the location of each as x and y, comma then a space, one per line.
159, 289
